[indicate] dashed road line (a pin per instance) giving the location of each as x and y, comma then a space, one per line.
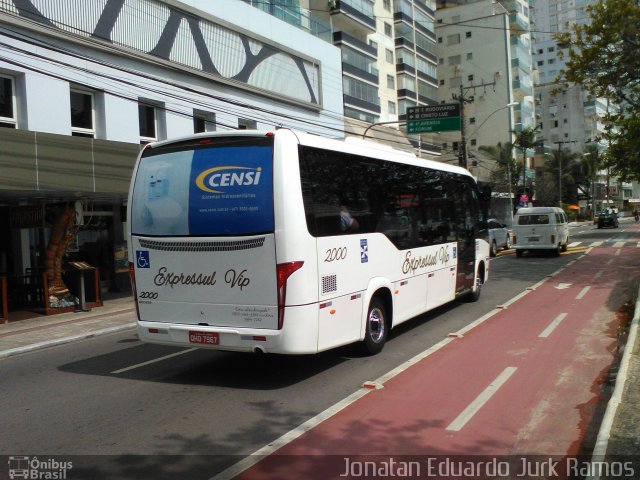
583, 292
475, 406
552, 326
149, 362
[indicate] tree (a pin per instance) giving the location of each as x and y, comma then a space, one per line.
506, 167
592, 163
603, 57
565, 172
526, 139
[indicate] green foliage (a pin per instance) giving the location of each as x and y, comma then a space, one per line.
603, 56
502, 155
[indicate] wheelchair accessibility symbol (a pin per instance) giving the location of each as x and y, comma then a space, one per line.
142, 259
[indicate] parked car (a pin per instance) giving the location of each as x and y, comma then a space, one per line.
606, 219
540, 228
499, 236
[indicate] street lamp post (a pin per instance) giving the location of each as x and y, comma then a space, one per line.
509, 106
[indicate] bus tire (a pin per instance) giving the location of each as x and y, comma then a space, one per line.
474, 295
376, 328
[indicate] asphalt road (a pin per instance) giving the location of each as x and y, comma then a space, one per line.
102, 397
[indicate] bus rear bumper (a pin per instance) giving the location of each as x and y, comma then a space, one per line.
298, 336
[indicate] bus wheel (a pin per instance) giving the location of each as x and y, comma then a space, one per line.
474, 295
376, 329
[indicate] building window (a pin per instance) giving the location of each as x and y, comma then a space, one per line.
373, 44
388, 31
470, 78
453, 39
386, 4
472, 120
392, 108
473, 142
439, 39
441, 82
246, 124
82, 114
467, 34
470, 56
388, 55
391, 82
204, 122
7, 103
147, 120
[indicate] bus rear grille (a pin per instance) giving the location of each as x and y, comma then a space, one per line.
212, 246
329, 284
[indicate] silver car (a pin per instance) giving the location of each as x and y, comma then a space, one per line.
499, 236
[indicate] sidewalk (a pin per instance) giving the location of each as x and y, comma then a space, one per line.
619, 433
117, 313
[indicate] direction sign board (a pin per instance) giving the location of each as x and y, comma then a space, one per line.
433, 118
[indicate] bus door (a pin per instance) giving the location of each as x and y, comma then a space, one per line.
466, 219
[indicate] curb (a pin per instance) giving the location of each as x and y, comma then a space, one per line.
61, 341
602, 441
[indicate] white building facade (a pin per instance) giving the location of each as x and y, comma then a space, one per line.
85, 84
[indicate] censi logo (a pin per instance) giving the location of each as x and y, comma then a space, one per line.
229, 176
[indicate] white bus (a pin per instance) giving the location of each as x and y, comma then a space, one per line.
286, 242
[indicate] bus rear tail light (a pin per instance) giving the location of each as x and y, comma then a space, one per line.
132, 274
283, 272
553, 239
514, 240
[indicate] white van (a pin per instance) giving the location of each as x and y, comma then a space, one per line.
540, 228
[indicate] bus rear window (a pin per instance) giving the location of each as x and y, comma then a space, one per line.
223, 188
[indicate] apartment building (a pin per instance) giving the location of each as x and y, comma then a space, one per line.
389, 59
84, 84
484, 54
570, 118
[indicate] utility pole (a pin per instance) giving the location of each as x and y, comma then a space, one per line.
462, 99
560, 143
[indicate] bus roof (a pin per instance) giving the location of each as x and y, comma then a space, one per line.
351, 145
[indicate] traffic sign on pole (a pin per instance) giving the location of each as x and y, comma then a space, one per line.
433, 118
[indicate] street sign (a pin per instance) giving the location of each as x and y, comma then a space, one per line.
433, 118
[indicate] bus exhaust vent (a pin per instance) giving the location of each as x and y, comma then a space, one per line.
329, 284
212, 246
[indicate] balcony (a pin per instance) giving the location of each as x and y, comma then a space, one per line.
353, 16
297, 16
518, 24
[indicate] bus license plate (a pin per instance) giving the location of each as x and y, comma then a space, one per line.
533, 239
204, 338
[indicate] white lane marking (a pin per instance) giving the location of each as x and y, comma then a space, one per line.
596, 244
574, 244
475, 406
618, 244
287, 438
126, 369
618, 252
552, 326
583, 292
610, 261
638, 245
597, 275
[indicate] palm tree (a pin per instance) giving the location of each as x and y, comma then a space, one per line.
592, 163
526, 139
505, 169
566, 172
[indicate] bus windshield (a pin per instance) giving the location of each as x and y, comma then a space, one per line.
217, 187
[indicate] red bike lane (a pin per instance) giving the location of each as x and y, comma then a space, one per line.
524, 381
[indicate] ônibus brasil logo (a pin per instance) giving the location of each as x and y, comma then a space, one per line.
229, 176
